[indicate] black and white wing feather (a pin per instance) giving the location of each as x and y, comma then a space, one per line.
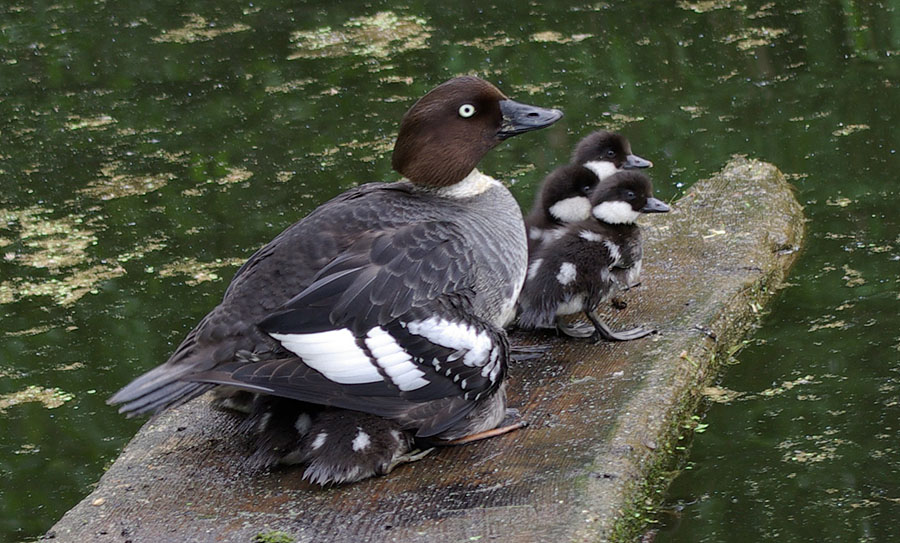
386, 328
627, 270
271, 277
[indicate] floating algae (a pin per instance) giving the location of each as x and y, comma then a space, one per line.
382, 35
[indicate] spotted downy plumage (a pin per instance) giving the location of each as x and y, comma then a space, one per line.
564, 194
382, 311
591, 260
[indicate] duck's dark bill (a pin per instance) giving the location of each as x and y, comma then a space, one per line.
655, 205
633, 162
519, 118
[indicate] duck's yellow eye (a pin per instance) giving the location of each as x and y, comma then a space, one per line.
466, 110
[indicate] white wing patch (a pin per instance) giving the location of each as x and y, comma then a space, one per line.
454, 335
477, 345
614, 253
634, 274
534, 267
576, 208
602, 168
567, 273
361, 441
590, 236
574, 305
616, 212
334, 354
394, 360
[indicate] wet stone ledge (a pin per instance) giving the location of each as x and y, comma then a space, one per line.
604, 417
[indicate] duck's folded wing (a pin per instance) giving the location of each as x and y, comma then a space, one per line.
303, 246
387, 328
380, 277
395, 372
273, 275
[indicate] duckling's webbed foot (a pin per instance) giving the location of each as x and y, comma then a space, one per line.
524, 353
603, 332
575, 329
411, 456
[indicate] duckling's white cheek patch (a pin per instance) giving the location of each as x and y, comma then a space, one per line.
616, 213
602, 168
334, 354
567, 273
577, 208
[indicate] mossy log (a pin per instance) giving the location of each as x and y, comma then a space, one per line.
603, 417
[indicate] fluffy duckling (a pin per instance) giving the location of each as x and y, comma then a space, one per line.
591, 260
564, 193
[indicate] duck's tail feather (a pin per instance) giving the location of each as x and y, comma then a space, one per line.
157, 390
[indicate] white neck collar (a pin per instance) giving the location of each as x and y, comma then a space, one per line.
471, 185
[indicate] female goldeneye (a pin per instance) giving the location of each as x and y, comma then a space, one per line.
563, 196
592, 260
382, 311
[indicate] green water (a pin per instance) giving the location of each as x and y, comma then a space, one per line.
147, 148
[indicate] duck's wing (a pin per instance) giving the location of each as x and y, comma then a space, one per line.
627, 269
270, 277
310, 243
386, 328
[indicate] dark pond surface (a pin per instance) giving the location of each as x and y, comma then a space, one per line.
147, 148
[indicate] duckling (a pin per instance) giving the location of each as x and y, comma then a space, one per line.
563, 196
377, 320
591, 260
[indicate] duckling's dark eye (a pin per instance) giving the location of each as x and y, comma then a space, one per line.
466, 111
586, 189
630, 195
611, 154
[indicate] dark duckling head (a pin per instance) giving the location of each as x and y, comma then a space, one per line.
609, 151
622, 197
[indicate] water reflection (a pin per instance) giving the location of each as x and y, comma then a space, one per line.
147, 149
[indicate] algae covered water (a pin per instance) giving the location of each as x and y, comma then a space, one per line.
147, 149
